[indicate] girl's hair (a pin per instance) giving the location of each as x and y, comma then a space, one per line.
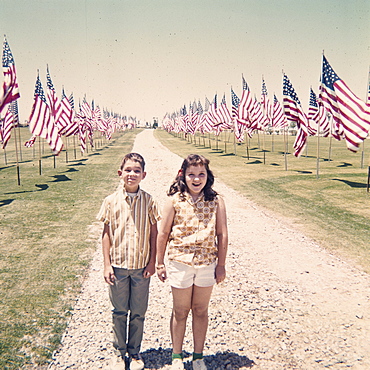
133, 157
179, 185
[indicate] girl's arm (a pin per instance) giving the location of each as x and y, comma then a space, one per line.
222, 240
150, 268
106, 245
163, 234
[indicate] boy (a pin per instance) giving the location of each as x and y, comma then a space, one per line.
130, 217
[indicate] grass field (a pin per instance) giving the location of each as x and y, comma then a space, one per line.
44, 244
330, 205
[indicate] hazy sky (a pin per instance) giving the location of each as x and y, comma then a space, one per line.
146, 57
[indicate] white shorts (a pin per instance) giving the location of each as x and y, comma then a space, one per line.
184, 276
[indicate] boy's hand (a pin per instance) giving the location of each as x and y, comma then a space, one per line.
220, 274
109, 276
149, 270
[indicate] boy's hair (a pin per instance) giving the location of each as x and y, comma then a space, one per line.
179, 185
133, 157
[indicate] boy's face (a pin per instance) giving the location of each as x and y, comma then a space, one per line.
132, 174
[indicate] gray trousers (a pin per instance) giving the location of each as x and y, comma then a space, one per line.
129, 296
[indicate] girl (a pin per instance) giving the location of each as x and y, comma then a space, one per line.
194, 227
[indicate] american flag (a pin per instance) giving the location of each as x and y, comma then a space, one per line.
66, 116
238, 127
7, 126
350, 114
9, 91
235, 101
207, 117
214, 114
266, 104
313, 113
317, 113
40, 121
14, 109
29, 143
71, 101
245, 106
259, 119
294, 113
10, 120
53, 101
278, 117
190, 127
224, 112
200, 114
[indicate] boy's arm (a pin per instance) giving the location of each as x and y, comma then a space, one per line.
163, 234
150, 268
106, 246
222, 240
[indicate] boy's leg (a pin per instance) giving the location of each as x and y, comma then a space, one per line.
181, 307
119, 294
138, 305
200, 302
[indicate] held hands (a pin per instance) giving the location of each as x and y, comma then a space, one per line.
220, 274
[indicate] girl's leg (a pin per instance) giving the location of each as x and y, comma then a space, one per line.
181, 308
200, 302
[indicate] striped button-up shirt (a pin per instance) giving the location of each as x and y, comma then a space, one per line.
129, 219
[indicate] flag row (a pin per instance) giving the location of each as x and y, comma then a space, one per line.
53, 117
336, 111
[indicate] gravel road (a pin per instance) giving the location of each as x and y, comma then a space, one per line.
286, 303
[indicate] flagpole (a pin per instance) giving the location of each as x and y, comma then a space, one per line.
318, 150
74, 146
234, 143
40, 168
20, 141
367, 101
66, 149
16, 153
5, 159
225, 134
285, 148
247, 145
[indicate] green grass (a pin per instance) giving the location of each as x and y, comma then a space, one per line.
332, 208
44, 242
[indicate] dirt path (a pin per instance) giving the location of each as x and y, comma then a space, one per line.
286, 304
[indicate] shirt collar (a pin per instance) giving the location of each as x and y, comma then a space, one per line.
125, 193
189, 198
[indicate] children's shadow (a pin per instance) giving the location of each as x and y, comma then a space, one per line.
158, 358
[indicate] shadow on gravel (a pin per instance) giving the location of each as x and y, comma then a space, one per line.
158, 358
5, 202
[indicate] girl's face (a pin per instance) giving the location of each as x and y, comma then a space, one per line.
195, 179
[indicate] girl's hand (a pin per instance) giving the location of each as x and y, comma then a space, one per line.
162, 273
220, 274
